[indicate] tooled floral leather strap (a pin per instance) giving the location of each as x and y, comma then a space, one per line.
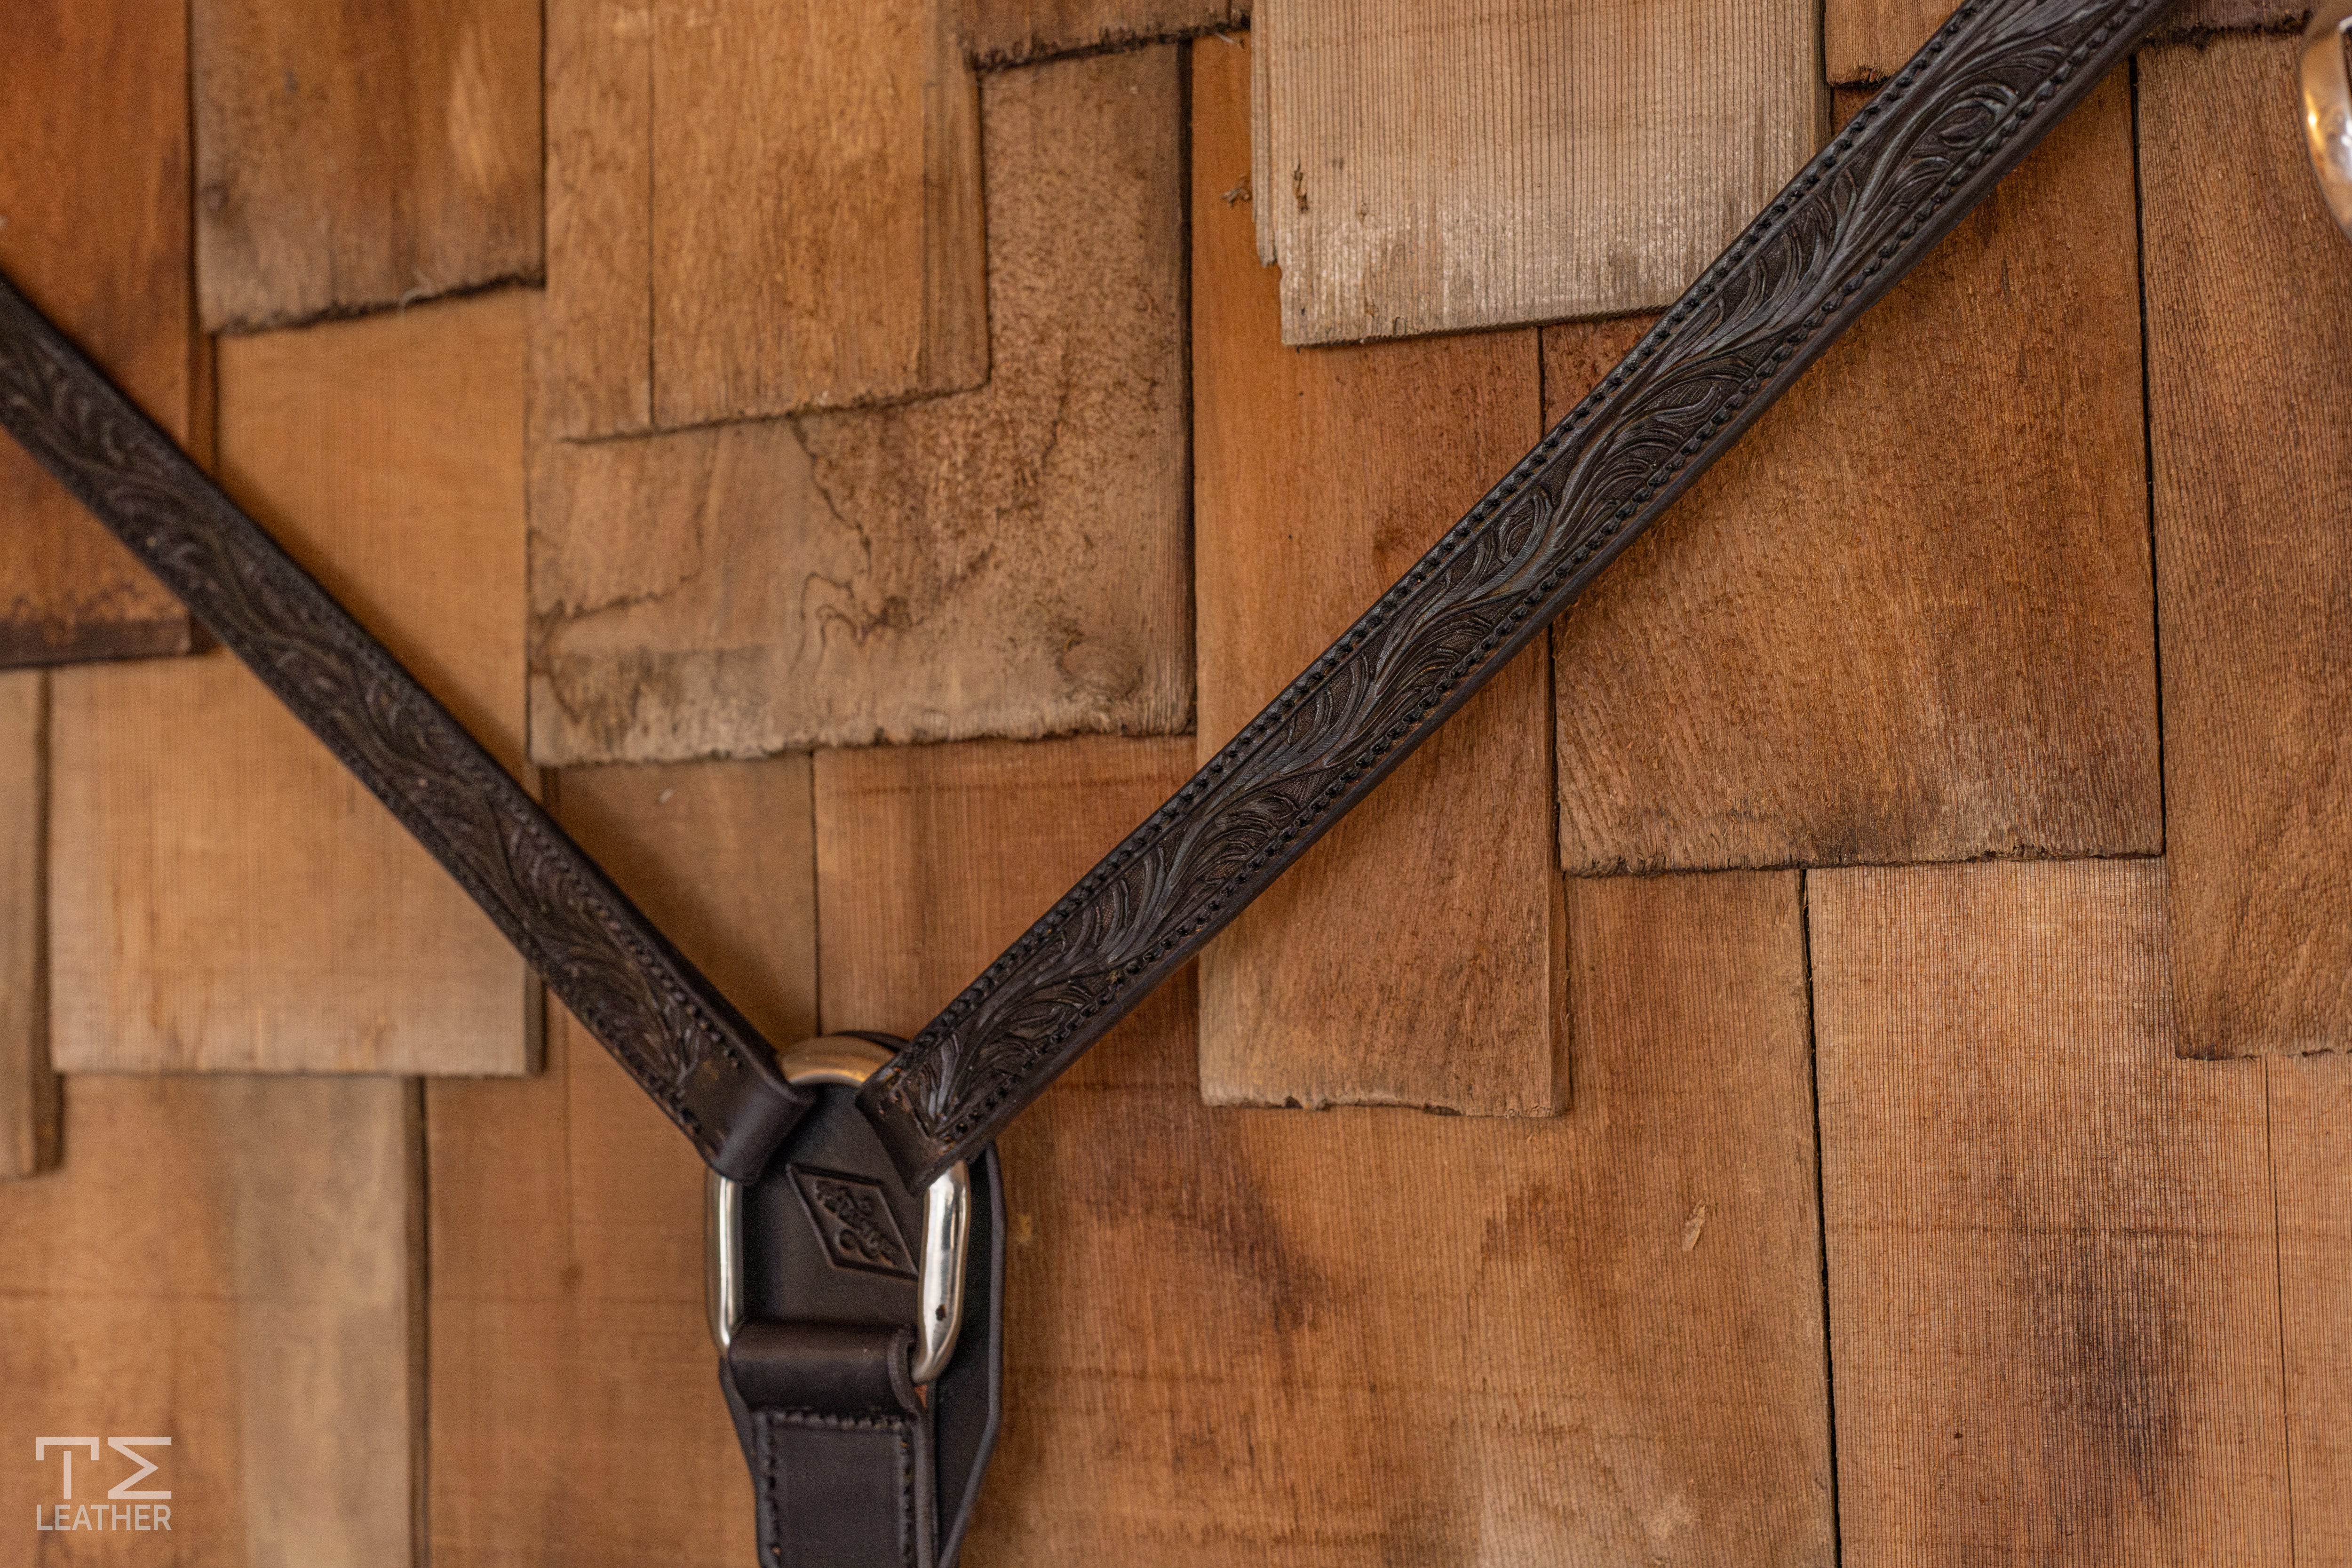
669, 1026
1908, 167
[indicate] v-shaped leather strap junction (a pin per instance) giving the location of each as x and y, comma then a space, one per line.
867, 1416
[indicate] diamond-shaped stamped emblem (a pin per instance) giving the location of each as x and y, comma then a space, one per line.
853, 1220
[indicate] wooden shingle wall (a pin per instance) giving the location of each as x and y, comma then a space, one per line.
885, 482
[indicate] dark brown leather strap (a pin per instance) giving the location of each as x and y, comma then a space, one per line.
1924, 150
678, 1037
852, 1466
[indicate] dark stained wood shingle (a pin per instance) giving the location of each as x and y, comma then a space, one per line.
360, 155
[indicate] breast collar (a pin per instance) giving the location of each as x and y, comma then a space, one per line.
855, 1215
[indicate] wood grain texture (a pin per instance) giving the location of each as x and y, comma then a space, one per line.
28, 1089
1908, 618
2248, 348
357, 155
1450, 1003
1594, 1337
998, 32
1869, 40
223, 896
94, 229
2053, 1300
227, 1263
2311, 1156
577, 1336
1010, 560
1455, 166
719, 855
754, 210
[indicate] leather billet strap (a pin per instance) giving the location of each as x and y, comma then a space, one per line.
684, 1043
1914, 162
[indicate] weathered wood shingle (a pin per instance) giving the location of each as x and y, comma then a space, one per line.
356, 156
1006, 562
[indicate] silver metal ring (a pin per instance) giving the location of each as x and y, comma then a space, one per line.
847, 1062
2328, 106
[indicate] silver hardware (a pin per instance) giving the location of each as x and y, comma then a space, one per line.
2328, 106
847, 1062
722, 1264
946, 1226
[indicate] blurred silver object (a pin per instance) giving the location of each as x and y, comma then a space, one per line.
2328, 106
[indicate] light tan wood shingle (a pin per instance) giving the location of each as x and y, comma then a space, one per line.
2053, 1292
1433, 167
227, 1263
1010, 560
223, 897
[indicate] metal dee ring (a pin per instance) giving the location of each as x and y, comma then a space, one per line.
2328, 106
848, 1061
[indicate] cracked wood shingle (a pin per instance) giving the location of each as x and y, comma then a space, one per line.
1005, 562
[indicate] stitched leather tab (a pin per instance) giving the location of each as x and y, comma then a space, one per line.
840, 1491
